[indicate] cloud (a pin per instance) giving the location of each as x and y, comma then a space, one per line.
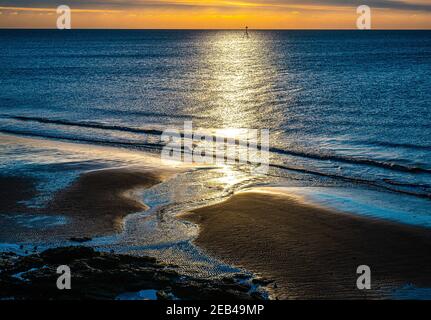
381, 4
406, 5
49, 10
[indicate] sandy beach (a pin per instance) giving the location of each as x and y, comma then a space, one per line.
309, 251
14, 190
312, 252
95, 204
99, 200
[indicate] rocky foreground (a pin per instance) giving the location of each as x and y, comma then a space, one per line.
96, 275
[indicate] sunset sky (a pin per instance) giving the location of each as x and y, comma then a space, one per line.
225, 14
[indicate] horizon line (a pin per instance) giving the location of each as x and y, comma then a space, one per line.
222, 29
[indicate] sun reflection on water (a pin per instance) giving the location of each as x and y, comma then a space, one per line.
234, 82
229, 177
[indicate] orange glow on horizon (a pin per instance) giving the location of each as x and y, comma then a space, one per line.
212, 15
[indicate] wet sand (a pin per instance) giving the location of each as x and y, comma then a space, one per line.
99, 200
312, 252
13, 191
94, 205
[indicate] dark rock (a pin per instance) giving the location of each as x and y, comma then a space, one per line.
81, 240
262, 281
68, 254
102, 276
164, 295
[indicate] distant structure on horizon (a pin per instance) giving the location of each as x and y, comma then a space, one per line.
246, 32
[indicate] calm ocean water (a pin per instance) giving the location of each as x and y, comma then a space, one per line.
343, 107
